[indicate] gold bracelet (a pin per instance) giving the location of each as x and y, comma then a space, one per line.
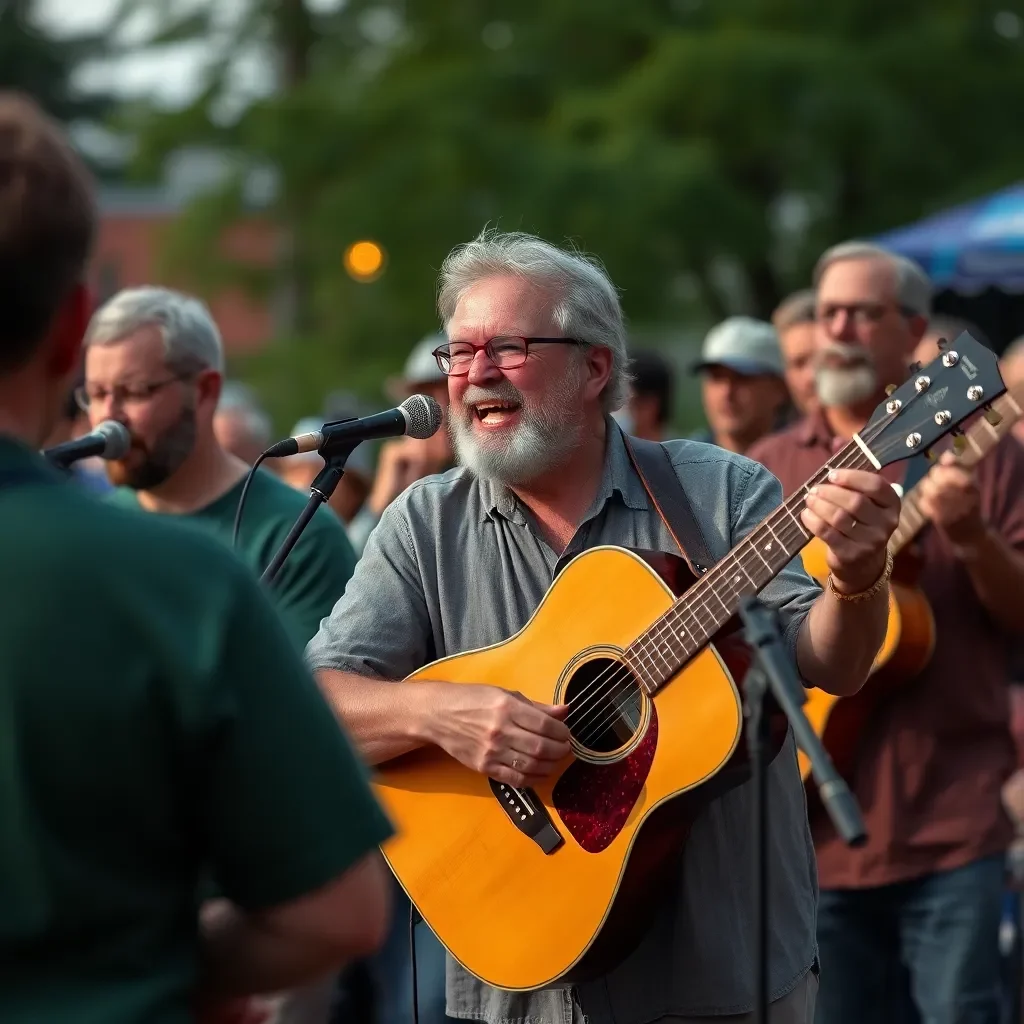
875, 587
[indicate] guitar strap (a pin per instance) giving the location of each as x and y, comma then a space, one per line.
654, 467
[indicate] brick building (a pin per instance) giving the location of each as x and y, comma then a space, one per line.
132, 223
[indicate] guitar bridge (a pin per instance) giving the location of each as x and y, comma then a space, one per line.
528, 814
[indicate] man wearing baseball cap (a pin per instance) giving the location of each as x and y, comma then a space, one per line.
743, 384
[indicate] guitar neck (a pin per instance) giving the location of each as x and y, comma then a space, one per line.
981, 437
660, 651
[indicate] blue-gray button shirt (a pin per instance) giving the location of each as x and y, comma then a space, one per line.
456, 564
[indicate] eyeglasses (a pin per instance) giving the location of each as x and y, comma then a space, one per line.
861, 313
123, 394
456, 358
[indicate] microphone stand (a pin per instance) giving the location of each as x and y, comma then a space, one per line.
773, 671
335, 456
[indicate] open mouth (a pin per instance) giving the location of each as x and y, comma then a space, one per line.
494, 412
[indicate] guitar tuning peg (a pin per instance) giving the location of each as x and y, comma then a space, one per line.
890, 388
943, 344
959, 444
931, 456
994, 418
914, 367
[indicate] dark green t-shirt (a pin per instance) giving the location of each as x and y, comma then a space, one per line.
155, 718
316, 571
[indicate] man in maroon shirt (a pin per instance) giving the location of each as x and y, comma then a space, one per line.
926, 889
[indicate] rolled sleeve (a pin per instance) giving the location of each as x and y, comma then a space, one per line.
792, 592
380, 627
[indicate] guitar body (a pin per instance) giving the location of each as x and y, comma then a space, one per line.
907, 648
558, 883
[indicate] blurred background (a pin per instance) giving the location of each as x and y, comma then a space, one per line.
305, 165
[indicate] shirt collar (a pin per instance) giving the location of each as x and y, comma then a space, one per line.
617, 478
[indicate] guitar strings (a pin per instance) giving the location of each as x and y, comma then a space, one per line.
785, 527
786, 531
781, 518
619, 672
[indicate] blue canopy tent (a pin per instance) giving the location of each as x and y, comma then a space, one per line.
974, 254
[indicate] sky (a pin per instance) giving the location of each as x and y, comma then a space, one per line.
170, 75
166, 76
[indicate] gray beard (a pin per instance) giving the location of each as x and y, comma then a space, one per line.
544, 438
845, 387
166, 456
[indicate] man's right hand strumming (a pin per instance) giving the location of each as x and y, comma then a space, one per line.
492, 731
500, 734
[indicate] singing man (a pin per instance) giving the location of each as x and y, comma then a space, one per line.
461, 560
155, 362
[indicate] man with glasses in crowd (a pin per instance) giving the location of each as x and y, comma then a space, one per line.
926, 889
155, 362
536, 362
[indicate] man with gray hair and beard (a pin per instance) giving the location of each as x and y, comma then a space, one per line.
921, 900
536, 362
155, 362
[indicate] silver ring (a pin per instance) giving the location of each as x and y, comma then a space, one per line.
515, 763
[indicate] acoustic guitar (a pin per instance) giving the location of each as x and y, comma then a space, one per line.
910, 636
557, 883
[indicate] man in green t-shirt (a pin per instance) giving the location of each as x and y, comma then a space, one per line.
155, 718
154, 360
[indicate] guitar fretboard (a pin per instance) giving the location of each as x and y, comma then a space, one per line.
659, 652
981, 437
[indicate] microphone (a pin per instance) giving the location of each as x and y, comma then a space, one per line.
110, 440
418, 416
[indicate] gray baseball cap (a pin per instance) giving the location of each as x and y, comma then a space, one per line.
744, 345
420, 368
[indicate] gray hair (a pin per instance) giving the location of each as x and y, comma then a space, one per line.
586, 304
913, 286
798, 308
239, 398
191, 339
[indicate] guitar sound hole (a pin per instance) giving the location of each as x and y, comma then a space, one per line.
606, 705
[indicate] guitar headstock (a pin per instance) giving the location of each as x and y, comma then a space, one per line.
934, 401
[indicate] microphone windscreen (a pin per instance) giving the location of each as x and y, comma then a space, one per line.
423, 416
119, 441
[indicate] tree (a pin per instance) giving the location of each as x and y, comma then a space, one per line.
43, 65
706, 151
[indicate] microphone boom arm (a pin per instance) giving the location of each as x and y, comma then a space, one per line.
320, 492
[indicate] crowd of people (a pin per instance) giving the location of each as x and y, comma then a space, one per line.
187, 825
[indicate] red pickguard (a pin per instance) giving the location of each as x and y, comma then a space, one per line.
594, 800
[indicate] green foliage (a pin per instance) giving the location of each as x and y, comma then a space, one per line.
42, 66
674, 138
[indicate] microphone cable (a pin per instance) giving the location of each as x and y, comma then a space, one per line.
412, 959
243, 496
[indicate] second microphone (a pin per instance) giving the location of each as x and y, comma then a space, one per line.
418, 416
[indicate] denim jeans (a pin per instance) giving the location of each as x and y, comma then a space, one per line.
925, 950
389, 972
